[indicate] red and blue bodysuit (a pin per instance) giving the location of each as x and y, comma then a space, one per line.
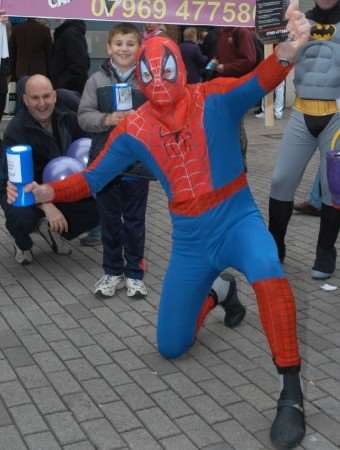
188, 136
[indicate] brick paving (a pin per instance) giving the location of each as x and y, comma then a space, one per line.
77, 373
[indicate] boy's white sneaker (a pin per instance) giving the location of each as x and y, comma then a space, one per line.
108, 284
135, 288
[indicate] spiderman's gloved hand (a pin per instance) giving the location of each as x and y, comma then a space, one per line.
299, 33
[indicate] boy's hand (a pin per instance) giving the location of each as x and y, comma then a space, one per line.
114, 118
12, 192
299, 33
43, 193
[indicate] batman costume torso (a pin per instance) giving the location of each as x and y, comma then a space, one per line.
318, 68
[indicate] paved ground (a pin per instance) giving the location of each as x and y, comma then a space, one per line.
77, 373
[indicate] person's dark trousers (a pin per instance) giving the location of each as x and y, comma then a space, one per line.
81, 216
328, 234
279, 215
122, 206
21, 222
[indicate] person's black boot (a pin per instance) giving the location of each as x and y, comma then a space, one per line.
234, 310
325, 261
289, 428
279, 215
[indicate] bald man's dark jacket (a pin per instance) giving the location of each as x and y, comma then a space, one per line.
23, 129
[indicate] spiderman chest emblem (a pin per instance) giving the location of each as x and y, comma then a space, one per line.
177, 144
182, 156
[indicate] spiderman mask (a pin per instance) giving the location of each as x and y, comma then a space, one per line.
161, 72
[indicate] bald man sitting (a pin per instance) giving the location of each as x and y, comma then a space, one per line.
49, 131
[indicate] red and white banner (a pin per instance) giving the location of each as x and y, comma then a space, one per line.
240, 13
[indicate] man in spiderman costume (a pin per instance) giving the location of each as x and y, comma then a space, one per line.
188, 136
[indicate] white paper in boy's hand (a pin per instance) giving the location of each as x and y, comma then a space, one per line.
329, 287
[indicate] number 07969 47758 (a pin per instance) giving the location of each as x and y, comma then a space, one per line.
216, 10
128, 9
219, 12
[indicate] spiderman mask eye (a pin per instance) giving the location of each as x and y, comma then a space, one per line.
145, 73
170, 68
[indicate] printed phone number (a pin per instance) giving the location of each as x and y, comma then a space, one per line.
188, 10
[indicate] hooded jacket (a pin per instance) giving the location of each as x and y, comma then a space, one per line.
96, 102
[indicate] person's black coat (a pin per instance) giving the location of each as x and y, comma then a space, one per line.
29, 48
209, 44
23, 129
194, 61
69, 57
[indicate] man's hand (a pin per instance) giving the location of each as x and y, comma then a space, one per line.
43, 193
55, 217
299, 33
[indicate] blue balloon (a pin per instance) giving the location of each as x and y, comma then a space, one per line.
60, 168
79, 150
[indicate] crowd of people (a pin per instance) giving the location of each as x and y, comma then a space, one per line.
185, 128
65, 90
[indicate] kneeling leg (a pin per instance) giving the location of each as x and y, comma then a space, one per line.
184, 304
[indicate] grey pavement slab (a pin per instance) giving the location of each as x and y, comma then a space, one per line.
42, 441
79, 373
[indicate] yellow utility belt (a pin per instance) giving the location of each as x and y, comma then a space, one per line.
315, 107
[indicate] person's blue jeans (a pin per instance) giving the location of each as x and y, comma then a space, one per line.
122, 206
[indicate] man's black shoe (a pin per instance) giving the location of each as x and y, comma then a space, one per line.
288, 428
234, 310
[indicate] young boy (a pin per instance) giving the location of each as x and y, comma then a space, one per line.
122, 203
